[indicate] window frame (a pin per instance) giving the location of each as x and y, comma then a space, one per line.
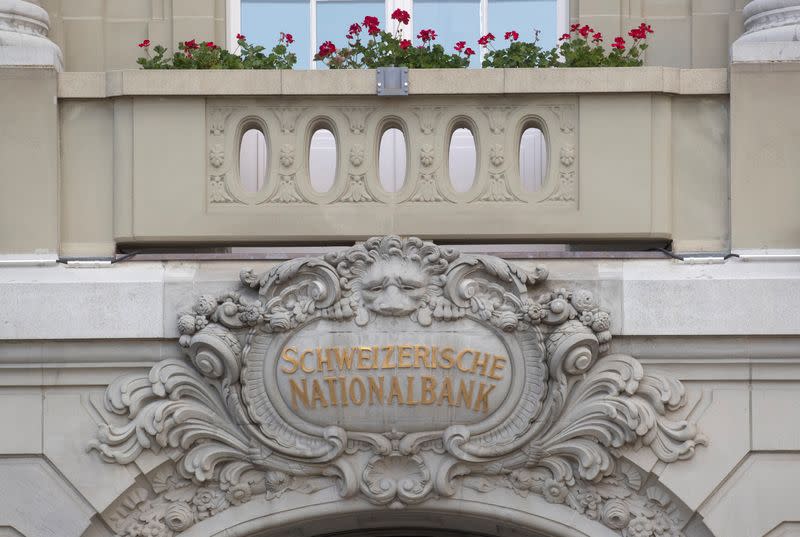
233, 10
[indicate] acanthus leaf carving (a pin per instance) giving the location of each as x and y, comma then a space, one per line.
497, 189
287, 117
574, 408
357, 117
498, 117
357, 190
287, 190
564, 190
218, 191
428, 116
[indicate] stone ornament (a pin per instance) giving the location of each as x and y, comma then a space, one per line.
543, 408
357, 130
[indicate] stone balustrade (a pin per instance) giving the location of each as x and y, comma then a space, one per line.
627, 156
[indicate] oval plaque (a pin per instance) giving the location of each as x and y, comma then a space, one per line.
392, 374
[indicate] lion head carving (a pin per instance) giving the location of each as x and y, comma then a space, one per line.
393, 276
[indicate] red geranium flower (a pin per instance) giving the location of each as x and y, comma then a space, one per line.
585, 30
289, 38
513, 35
401, 15
460, 46
405, 43
469, 52
574, 27
371, 21
427, 35
619, 43
210, 44
486, 39
191, 45
355, 29
597, 37
326, 49
144, 44
564, 37
240, 37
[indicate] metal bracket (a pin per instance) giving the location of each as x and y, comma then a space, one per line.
392, 81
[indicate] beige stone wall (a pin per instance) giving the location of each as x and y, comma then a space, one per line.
765, 135
101, 35
688, 33
29, 152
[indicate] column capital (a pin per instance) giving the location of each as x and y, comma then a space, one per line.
23, 36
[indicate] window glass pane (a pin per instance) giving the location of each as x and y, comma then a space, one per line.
334, 18
264, 20
524, 16
453, 20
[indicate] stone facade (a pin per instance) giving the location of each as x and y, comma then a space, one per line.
396, 384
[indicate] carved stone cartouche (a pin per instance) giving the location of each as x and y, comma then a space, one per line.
566, 409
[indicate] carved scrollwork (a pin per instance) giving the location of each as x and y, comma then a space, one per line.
558, 433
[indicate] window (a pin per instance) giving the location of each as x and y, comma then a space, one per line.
313, 21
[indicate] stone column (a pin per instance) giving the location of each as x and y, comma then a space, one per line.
765, 77
772, 32
23, 36
29, 148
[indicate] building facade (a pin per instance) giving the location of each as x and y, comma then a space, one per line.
611, 350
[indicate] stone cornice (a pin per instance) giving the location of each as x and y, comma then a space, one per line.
668, 80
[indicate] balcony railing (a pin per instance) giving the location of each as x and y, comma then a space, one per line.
617, 163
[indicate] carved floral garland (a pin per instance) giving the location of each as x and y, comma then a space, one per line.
581, 410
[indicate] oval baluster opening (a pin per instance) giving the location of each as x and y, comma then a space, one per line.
253, 160
532, 159
462, 159
392, 160
322, 155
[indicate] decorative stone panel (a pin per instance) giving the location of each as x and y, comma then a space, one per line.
358, 127
396, 371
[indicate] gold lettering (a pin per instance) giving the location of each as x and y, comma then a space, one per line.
464, 394
387, 358
498, 364
428, 390
296, 392
317, 395
410, 391
481, 359
446, 392
482, 401
460, 359
434, 361
343, 385
323, 359
422, 353
344, 357
331, 388
362, 391
375, 389
308, 352
447, 356
395, 392
405, 352
291, 359
364, 357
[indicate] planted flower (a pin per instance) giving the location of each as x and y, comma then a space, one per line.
208, 55
368, 46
